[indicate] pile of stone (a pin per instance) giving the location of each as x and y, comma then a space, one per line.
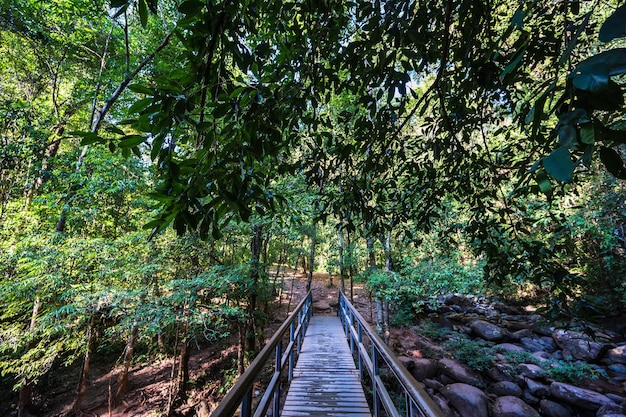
526, 389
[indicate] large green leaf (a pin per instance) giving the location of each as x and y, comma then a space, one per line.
613, 162
559, 165
593, 73
615, 26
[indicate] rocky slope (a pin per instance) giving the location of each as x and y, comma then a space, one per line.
480, 359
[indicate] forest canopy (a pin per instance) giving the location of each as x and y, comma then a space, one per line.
158, 156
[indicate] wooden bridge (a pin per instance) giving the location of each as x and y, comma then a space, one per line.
326, 372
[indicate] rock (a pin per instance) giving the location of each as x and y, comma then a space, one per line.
529, 398
423, 368
578, 344
618, 354
321, 305
500, 372
532, 344
458, 372
537, 388
458, 300
443, 405
509, 347
433, 383
548, 343
520, 334
553, 409
469, 401
531, 370
609, 410
486, 330
510, 406
503, 388
542, 356
579, 397
618, 368
618, 399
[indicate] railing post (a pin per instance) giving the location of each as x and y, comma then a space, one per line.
279, 348
376, 398
292, 333
246, 404
299, 337
360, 333
351, 335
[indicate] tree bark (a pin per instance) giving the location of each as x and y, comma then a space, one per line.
83, 380
25, 396
123, 384
256, 247
309, 280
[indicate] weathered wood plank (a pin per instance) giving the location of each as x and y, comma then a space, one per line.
326, 382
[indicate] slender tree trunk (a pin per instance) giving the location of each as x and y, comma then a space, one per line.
123, 384
388, 268
183, 372
351, 267
342, 273
92, 335
256, 246
309, 280
25, 396
241, 351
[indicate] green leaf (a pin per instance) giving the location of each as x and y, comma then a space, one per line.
593, 73
615, 26
587, 134
131, 141
142, 89
143, 12
191, 7
613, 162
90, 138
594, 78
559, 165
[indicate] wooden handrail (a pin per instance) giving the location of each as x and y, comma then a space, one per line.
418, 402
241, 393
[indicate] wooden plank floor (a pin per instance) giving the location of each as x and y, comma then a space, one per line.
326, 381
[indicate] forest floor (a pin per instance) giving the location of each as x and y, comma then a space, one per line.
211, 367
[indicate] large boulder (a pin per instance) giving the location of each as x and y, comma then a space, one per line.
579, 397
537, 388
459, 373
578, 344
510, 406
486, 330
504, 388
553, 409
467, 400
420, 368
531, 370
618, 354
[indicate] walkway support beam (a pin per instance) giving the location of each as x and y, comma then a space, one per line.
373, 356
240, 395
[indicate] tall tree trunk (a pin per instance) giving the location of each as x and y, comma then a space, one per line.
388, 269
123, 384
256, 246
81, 389
342, 272
25, 396
309, 280
183, 372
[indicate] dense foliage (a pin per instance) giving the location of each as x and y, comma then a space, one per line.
424, 147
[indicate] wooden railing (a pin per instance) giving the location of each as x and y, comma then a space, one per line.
375, 357
240, 395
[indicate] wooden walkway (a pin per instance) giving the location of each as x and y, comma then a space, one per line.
326, 381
